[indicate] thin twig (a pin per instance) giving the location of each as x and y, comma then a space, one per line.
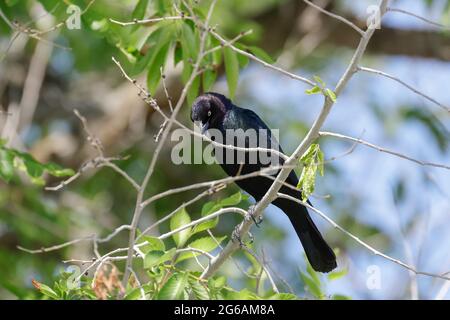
264, 63
384, 74
75, 241
149, 20
433, 23
263, 267
394, 153
336, 16
367, 246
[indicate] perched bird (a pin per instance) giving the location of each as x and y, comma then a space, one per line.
215, 111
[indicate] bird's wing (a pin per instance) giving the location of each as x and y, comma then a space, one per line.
254, 119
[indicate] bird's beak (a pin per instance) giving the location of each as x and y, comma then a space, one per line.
201, 126
204, 127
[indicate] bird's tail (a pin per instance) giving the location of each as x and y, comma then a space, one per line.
319, 254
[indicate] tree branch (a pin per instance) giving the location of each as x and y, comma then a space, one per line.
394, 153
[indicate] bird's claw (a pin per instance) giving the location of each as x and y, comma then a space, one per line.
251, 237
252, 215
235, 237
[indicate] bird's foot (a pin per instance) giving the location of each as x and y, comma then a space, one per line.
251, 214
235, 237
251, 237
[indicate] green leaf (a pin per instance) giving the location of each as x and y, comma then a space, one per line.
311, 286
261, 54
153, 244
340, 297
11, 3
33, 168
178, 220
244, 294
189, 40
232, 200
134, 294
330, 93
231, 70
209, 224
150, 44
140, 9
193, 90
199, 290
206, 244
46, 290
177, 54
208, 77
337, 274
154, 71
217, 54
6, 164
173, 289
307, 181
319, 80
58, 171
283, 296
161, 6
313, 90
313, 274
219, 282
210, 207
312, 160
156, 257
242, 60
207, 209
321, 162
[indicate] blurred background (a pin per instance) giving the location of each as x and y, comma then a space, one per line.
396, 206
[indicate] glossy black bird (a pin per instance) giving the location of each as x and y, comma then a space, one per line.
215, 111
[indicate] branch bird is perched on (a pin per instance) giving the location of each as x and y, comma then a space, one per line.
215, 111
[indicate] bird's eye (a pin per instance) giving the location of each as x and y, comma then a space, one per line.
209, 113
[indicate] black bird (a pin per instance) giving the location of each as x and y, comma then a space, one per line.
215, 111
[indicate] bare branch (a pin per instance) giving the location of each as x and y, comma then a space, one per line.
265, 64
394, 153
99, 161
56, 247
75, 241
433, 23
149, 20
263, 267
370, 248
384, 74
195, 250
336, 16
203, 219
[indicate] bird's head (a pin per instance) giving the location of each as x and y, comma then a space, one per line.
209, 110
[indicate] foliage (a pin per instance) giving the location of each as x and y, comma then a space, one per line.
320, 87
312, 160
11, 159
